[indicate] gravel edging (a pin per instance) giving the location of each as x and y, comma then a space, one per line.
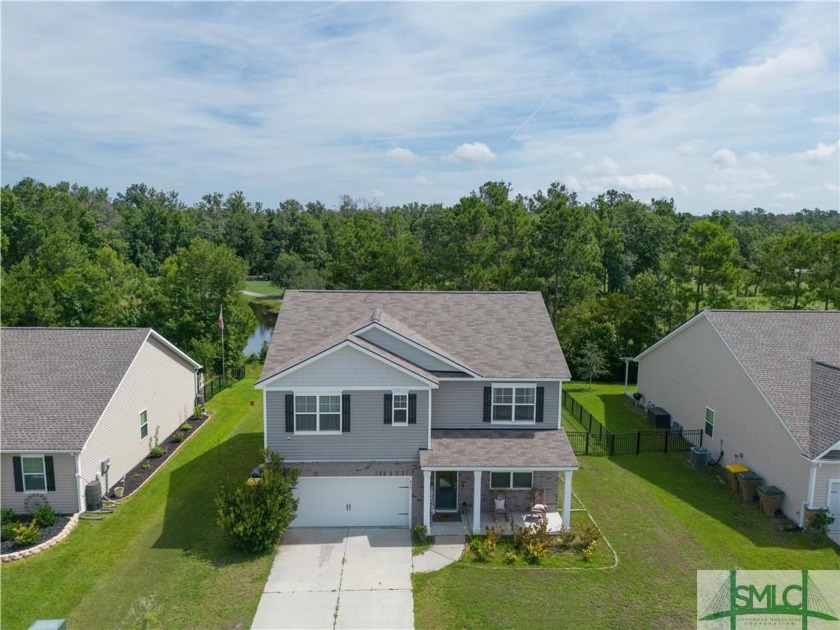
74, 519
25, 553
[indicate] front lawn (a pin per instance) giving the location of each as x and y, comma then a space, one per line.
162, 543
263, 287
665, 521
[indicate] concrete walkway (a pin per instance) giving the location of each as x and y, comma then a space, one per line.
339, 578
444, 551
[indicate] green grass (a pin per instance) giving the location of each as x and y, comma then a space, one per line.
263, 287
608, 403
665, 521
161, 543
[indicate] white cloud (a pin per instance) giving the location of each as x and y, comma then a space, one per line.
476, 152
577, 156
605, 166
787, 195
692, 147
572, 183
724, 158
754, 157
831, 187
644, 181
16, 156
820, 153
401, 155
376, 193
420, 180
772, 71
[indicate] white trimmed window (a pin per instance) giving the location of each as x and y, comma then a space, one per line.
514, 403
34, 473
710, 422
511, 480
144, 424
400, 414
318, 413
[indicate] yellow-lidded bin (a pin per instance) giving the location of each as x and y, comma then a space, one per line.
733, 470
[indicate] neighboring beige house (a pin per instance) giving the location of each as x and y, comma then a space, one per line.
402, 406
79, 401
765, 388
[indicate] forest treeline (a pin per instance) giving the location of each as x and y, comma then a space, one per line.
616, 273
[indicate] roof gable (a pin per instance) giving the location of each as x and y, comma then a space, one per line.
494, 334
58, 381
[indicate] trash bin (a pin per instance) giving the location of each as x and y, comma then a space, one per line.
732, 475
770, 499
748, 482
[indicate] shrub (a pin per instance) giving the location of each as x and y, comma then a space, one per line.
7, 524
7, 514
256, 516
156, 451
176, 437
533, 538
821, 521
421, 532
482, 549
536, 550
26, 534
566, 538
45, 515
510, 556
145, 466
588, 534
186, 427
198, 411
589, 550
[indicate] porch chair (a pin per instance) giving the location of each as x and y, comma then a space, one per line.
500, 506
538, 506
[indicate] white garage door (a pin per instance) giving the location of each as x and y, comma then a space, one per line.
353, 502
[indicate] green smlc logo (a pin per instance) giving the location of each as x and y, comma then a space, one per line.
799, 599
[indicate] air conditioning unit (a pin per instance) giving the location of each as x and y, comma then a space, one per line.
699, 456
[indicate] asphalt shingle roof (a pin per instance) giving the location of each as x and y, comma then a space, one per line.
776, 348
496, 334
56, 382
499, 448
825, 407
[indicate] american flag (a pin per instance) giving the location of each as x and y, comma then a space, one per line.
221, 320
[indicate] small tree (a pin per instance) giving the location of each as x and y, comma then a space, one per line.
593, 362
255, 515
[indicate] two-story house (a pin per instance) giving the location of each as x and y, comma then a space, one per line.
397, 405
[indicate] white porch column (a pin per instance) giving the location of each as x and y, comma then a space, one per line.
427, 500
567, 497
476, 528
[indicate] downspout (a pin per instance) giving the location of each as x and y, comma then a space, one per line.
812, 483
429, 431
79, 494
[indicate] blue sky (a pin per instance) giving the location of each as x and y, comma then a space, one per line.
718, 105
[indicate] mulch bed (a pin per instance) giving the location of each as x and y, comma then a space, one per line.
142, 471
10, 546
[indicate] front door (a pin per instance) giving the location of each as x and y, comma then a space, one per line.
446, 491
833, 503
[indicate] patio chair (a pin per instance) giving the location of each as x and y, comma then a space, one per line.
500, 506
538, 506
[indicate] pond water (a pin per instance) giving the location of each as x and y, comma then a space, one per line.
266, 318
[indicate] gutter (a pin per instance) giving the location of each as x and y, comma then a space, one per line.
79, 480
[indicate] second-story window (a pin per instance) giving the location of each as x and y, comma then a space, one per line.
319, 413
514, 403
400, 409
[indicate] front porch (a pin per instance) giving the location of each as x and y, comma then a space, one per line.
464, 525
467, 471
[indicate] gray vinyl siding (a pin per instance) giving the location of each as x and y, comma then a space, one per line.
460, 405
65, 497
369, 438
825, 473
405, 350
157, 381
694, 370
347, 367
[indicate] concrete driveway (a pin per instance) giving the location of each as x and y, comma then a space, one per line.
339, 578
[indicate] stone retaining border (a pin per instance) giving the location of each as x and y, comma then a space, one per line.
25, 553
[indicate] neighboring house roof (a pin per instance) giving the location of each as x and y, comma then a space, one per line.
494, 334
57, 382
825, 408
498, 448
776, 348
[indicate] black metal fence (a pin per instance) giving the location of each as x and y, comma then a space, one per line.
597, 439
216, 384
